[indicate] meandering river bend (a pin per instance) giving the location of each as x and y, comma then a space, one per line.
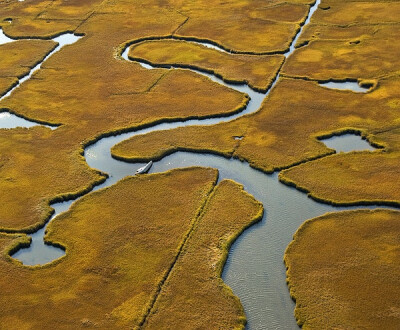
254, 269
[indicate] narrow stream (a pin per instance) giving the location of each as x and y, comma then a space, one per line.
255, 269
62, 40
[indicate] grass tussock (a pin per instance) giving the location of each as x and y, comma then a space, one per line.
343, 270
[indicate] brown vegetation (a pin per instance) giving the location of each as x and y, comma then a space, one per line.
355, 178
343, 271
134, 247
119, 253
26, 23
6, 83
257, 71
18, 58
156, 145
345, 13
88, 89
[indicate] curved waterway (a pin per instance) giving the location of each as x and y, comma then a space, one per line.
254, 269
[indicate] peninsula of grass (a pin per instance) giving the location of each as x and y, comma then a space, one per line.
37, 167
194, 295
343, 271
353, 178
349, 178
6, 83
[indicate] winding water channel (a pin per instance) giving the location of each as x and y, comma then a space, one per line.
254, 269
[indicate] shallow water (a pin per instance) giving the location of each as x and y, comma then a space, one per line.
346, 85
9, 120
254, 269
347, 143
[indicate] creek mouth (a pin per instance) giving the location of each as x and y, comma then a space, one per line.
254, 269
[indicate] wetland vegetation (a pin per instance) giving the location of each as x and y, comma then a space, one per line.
227, 90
